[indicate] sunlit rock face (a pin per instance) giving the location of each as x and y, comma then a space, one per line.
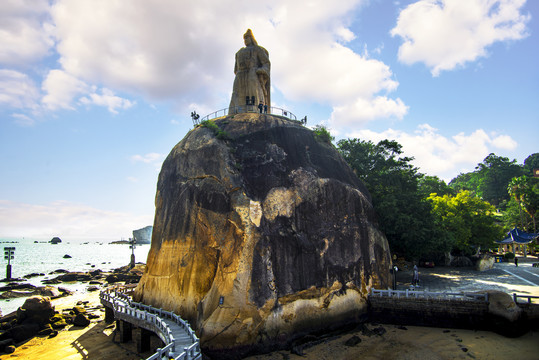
262, 237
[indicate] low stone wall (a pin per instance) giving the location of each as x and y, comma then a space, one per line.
429, 312
502, 318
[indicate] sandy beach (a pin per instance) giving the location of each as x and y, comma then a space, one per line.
93, 342
98, 340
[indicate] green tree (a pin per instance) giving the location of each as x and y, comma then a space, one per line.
433, 184
495, 172
403, 213
525, 191
322, 134
468, 222
465, 181
531, 163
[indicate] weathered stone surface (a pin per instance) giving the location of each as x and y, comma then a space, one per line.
485, 262
36, 309
501, 304
263, 237
23, 332
81, 320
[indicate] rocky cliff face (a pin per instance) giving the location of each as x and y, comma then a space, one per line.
261, 237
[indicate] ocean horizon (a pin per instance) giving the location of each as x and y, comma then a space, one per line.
37, 255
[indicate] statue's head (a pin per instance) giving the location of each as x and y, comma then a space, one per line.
249, 38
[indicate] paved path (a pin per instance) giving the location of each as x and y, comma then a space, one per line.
506, 277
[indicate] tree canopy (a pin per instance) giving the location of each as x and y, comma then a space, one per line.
424, 218
490, 178
403, 213
467, 221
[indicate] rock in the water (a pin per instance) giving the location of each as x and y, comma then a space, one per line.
55, 240
263, 237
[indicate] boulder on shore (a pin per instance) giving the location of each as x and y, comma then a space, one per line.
262, 233
36, 309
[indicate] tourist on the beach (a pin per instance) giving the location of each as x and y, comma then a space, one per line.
415, 279
516, 261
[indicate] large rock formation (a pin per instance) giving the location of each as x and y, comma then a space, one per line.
261, 234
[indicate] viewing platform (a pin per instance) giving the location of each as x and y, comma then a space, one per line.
271, 110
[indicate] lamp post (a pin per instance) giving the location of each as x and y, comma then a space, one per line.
132, 242
395, 270
9, 253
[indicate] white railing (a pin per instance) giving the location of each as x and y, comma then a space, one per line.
247, 108
152, 318
431, 295
529, 297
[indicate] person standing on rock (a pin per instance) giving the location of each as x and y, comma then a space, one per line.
252, 69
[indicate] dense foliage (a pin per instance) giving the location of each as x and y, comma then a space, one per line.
490, 178
404, 215
467, 222
425, 218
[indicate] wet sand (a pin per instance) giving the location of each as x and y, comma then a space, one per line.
419, 343
97, 341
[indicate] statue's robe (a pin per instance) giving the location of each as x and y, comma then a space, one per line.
249, 61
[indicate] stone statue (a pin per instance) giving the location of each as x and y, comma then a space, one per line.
251, 89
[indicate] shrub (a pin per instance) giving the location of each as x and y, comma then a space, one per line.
321, 133
219, 134
509, 256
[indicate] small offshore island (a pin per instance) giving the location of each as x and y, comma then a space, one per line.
265, 243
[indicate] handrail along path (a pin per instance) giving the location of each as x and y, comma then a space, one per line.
181, 342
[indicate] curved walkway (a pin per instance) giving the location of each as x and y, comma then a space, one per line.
180, 340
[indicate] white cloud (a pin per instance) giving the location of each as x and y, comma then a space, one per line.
445, 34
17, 90
163, 52
363, 110
25, 31
436, 154
68, 219
61, 88
108, 99
504, 142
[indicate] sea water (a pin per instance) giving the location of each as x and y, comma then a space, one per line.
40, 256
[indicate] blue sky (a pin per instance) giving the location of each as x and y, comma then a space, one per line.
95, 94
